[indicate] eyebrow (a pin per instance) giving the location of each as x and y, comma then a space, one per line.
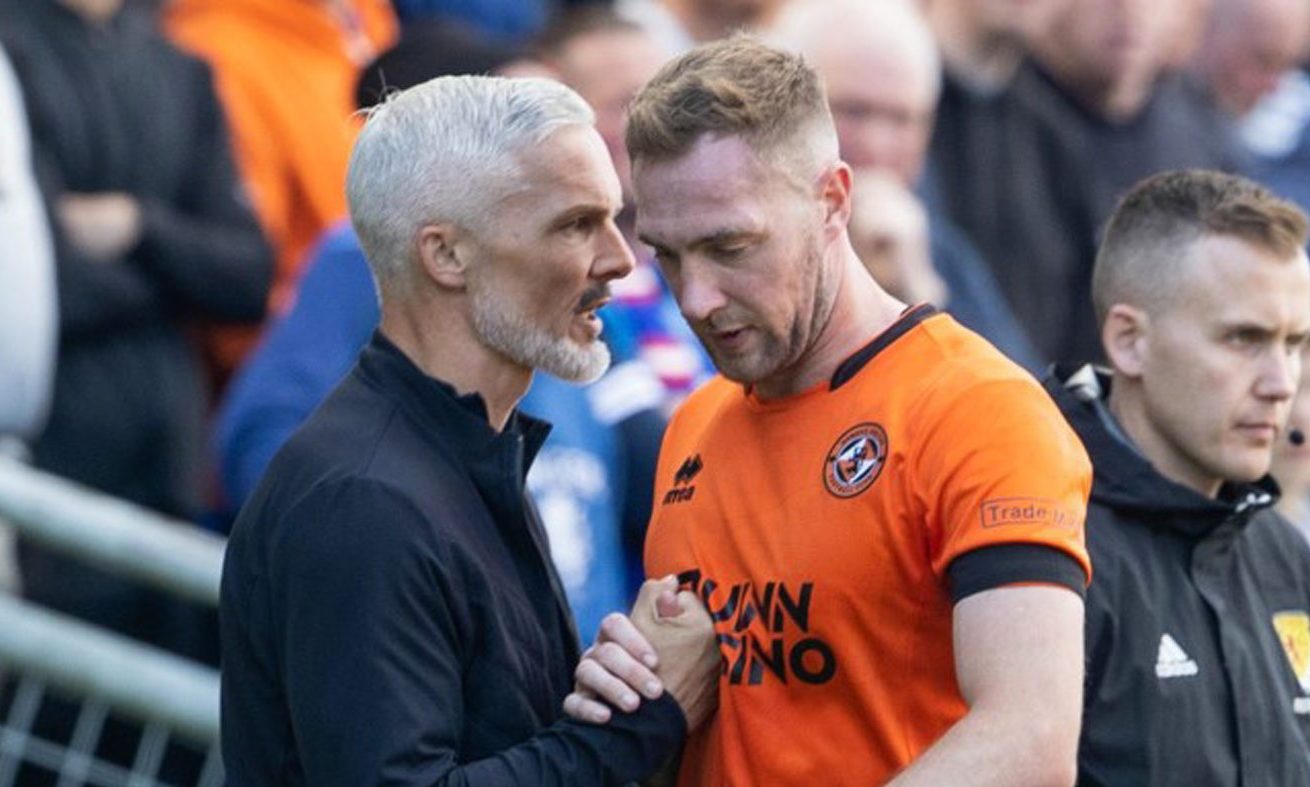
585, 210
716, 238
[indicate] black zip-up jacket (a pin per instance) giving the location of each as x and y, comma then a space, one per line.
390, 612
1188, 682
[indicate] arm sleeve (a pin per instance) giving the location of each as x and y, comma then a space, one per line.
207, 247
303, 356
1005, 483
374, 650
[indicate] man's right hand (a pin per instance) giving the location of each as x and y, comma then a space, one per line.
666, 643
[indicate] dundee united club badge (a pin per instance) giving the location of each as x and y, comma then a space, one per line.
856, 460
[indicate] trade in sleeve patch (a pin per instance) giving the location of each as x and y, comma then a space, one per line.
1001, 511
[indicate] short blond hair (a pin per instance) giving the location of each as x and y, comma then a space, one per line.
1143, 250
738, 86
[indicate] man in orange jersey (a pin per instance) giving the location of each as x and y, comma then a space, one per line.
882, 513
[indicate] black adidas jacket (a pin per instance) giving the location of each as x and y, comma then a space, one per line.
1187, 680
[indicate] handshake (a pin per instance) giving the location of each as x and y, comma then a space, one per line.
666, 643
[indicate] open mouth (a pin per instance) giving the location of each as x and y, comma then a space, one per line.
593, 300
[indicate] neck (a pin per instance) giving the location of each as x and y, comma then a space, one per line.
439, 341
974, 56
1113, 101
1129, 410
860, 311
95, 11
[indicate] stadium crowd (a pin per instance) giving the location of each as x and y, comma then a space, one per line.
181, 287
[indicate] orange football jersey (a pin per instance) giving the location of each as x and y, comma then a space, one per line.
822, 530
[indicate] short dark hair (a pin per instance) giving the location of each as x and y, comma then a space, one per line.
576, 22
426, 50
737, 86
1161, 216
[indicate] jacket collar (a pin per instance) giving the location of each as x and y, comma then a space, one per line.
459, 422
1124, 478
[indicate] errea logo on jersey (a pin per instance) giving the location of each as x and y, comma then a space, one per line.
855, 461
683, 489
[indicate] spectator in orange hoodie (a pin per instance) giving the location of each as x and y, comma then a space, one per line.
286, 73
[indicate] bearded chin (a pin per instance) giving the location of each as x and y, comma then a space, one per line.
516, 338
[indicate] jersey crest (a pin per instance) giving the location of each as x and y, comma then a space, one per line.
855, 460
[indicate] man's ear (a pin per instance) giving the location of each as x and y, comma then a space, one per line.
1126, 338
835, 187
440, 256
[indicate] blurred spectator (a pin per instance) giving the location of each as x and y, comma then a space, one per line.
28, 310
1249, 66
889, 230
678, 25
1186, 29
993, 170
982, 41
429, 47
1291, 465
132, 154
286, 72
1102, 73
606, 59
1099, 82
882, 72
1277, 136
512, 21
1249, 45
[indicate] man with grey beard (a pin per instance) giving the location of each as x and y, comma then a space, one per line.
390, 611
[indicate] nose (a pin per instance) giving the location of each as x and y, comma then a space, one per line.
697, 292
1280, 376
614, 258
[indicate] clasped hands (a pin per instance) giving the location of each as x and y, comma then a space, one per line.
666, 643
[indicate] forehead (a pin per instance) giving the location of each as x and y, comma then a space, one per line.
1226, 280
719, 184
571, 166
597, 54
885, 74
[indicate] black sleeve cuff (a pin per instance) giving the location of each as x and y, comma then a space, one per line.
633, 746
1010, 564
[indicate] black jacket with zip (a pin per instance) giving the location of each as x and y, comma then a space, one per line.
391, 614
1198, 632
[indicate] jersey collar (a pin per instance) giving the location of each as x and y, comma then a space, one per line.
908, 320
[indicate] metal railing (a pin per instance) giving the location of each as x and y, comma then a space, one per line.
44, 655
110, 533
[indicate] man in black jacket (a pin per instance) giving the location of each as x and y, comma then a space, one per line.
390, 611
1198, 616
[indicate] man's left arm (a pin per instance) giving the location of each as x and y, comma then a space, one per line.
1019, 663
1008, 482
